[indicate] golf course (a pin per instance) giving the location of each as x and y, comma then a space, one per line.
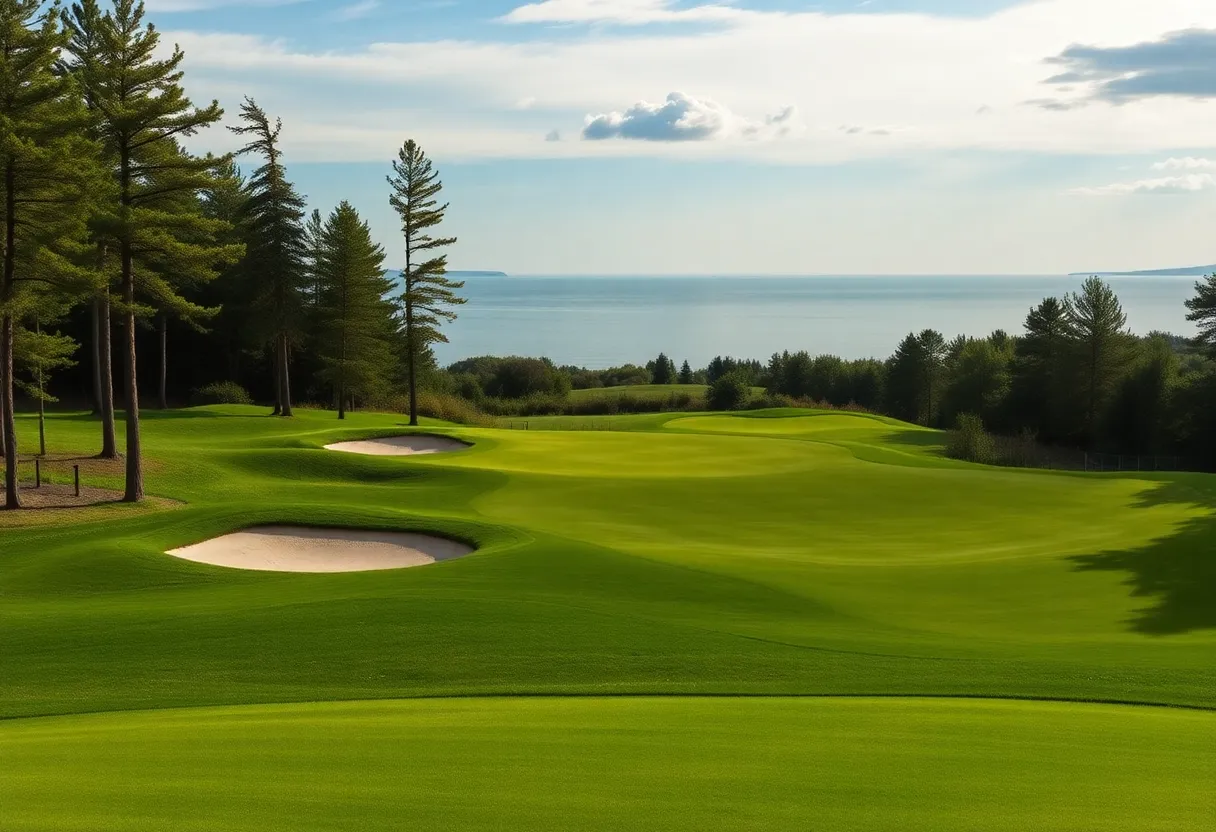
785, 619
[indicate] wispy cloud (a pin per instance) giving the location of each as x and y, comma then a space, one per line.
356, 11
1186, 163
1190, 183
621, 12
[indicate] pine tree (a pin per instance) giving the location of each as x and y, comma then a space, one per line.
39, 354
355, 318
934, 352
1038, 371
276, 246
142, 112
428, 294
1101, 346
44, 164
686, 373
663, 370
84, 24
314, 235
1201, 310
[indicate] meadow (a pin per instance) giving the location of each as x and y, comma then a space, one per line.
784, 619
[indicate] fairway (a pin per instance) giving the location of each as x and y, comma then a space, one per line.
785, 562
605, 764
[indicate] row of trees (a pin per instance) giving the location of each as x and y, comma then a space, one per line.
105, 210
1074, 376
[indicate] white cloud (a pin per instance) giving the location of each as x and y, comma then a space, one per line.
623, 12
930, 75
683, 117
1186, 163
1186, 184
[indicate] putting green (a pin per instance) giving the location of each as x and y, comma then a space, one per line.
788, 552
586, 763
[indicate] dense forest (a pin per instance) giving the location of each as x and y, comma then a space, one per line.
136, 271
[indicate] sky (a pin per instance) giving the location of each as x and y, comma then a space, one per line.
745, 137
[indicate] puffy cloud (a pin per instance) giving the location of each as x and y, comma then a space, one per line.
683, 118
1181, 64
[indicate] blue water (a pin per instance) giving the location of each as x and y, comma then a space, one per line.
604, 321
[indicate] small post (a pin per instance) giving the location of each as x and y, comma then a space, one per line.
76, 468
37, 473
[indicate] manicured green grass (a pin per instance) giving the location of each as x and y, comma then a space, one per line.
783, 552
610, 764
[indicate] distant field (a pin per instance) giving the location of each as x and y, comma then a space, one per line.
772, 620
646, 391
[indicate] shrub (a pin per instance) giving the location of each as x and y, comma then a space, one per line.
444, 406
221, 392
969, 441
730, 392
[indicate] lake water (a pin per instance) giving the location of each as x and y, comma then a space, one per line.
604, 321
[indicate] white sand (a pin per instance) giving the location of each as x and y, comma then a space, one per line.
400, 446
300, 549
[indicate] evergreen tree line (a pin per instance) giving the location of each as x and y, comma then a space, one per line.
122, 249
1074, 377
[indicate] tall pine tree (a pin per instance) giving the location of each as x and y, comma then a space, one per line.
1102, 349
355, 316
142, 113
276, 255
428, 294
44, 164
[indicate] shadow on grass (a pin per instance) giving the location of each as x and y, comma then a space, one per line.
1177, 573
157, 415
929, 442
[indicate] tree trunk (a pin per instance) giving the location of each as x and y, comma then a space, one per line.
135, 473
278, 385
284, 378
341, 401
96, 350
109, 444
8, 424
41, 402
162, 399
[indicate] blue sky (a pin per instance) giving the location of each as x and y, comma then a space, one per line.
756, 136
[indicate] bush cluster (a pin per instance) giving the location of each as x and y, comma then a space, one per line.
221, 392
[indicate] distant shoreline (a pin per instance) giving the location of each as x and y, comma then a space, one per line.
1188, 271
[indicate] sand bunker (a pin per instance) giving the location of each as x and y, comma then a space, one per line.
300, 549
400, 446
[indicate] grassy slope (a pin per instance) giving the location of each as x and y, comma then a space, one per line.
654, 561
776, 552
595, 764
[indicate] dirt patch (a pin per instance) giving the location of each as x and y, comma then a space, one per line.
303, 549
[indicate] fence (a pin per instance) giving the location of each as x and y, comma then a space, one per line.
38, 472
